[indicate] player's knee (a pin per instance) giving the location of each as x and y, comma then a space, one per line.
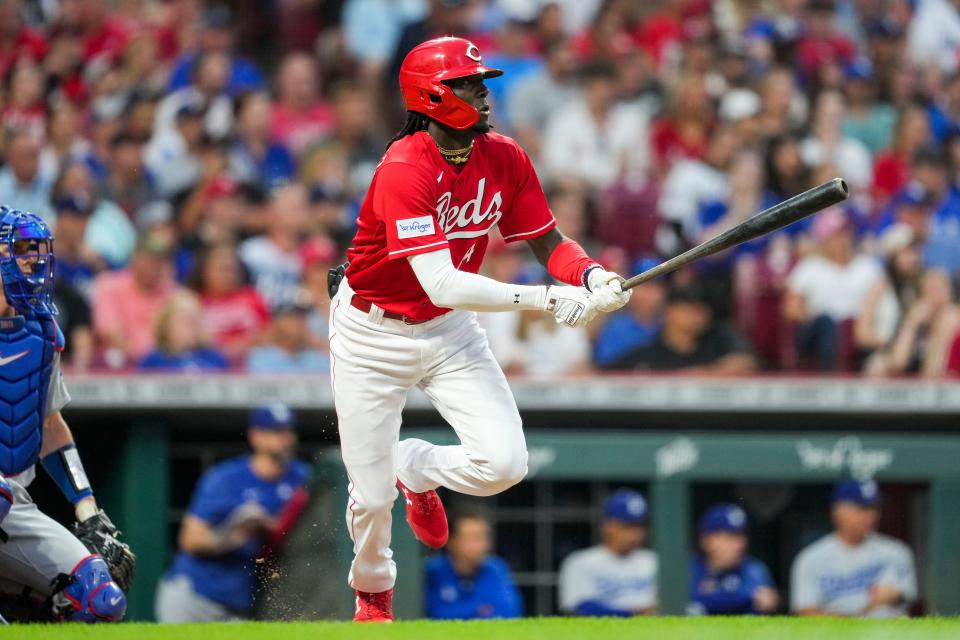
371, 502
505, 468
93, 594
514, 468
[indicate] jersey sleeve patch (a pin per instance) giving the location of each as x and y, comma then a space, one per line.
404, 199
415, 227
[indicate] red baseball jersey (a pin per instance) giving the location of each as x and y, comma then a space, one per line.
418, 203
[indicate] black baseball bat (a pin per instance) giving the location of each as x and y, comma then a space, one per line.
776, 217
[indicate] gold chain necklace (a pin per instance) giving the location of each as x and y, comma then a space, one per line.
456, 156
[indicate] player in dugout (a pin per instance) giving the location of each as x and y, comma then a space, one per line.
238, 507
854, 571
724, 580
466, 582
617, 577
403, 315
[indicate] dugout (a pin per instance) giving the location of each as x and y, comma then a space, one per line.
685, 442
783, 480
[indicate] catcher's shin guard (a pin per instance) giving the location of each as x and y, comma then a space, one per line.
94, 595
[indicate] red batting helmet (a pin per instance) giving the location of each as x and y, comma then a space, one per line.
425, 69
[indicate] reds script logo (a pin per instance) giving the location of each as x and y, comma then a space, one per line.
470, 213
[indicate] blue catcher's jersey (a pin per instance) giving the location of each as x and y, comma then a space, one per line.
728, 592
27, 348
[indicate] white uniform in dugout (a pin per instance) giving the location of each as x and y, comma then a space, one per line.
404, 315
627, 583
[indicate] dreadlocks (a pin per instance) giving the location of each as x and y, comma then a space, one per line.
415, 122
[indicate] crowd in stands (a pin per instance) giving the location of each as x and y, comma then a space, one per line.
202, 165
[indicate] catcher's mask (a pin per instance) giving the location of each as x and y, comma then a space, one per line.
26, 262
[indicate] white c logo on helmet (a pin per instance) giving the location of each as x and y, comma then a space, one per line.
473, 52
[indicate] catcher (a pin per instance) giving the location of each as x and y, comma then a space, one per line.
82, 575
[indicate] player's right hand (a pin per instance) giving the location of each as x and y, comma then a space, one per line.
605, 290
244, 523
765, 599
570, 305
882, 595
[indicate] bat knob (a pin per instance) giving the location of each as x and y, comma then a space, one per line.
841, 186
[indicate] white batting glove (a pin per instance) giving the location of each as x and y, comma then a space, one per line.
605, 290
571, 306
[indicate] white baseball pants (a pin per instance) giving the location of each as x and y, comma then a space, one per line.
374, 362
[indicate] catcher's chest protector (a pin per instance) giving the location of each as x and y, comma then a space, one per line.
26, 362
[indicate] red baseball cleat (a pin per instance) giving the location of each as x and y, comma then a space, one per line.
374, 607
426, 516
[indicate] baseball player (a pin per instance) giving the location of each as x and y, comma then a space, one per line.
854, 571
404, 314
616, 577
725, 580
236, 507
37, 553
467, 582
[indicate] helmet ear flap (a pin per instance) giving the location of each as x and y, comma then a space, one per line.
438, 101
456, 113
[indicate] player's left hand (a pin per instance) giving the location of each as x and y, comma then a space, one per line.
605, 290
99, 535
572, 306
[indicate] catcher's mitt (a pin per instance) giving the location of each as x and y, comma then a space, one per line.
99, 535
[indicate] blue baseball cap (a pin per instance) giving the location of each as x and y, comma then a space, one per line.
728, 518
626, 505
863, 493
860, 68
915, 194
191, 109
886, 28
761, 28
272, 417
78, 204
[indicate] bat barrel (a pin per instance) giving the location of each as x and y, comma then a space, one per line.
776, 217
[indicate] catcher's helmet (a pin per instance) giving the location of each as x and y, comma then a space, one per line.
425, 69
26, 262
